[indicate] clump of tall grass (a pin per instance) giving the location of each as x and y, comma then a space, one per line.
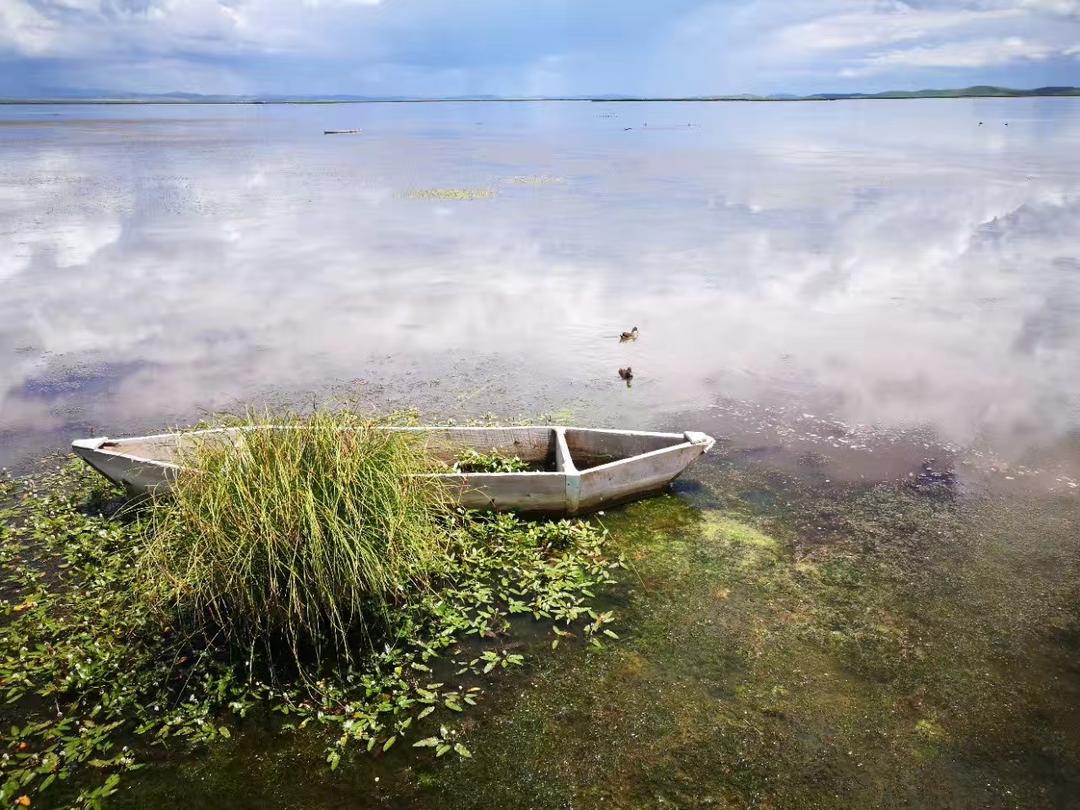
295, 531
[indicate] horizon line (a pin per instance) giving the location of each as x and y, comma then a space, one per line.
182, 97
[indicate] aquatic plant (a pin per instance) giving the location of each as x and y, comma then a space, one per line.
473, 461
83, 666
302, 533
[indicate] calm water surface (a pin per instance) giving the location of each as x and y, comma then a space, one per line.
840, 291
894, 265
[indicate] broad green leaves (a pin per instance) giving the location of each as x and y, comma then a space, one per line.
76, 637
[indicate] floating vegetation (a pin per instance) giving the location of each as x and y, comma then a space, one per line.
450, 194
87, 663
473, 461
535, 180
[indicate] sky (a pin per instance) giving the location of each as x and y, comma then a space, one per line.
532, 47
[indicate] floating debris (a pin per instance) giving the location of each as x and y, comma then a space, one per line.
450, 194
535, 180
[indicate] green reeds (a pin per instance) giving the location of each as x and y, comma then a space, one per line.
299, 532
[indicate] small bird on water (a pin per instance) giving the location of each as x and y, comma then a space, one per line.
626, 373
631, 335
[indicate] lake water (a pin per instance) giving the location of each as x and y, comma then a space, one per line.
875, 306
891, 266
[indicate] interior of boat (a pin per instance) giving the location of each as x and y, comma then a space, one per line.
538, 446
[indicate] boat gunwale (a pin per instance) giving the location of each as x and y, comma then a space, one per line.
95, 444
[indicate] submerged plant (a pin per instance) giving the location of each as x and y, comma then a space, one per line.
299, 534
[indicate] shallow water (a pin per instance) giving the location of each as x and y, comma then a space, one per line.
924, 654
874, 305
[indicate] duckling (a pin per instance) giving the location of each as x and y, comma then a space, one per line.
631, 335
626, 373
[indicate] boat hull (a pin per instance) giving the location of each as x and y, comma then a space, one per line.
587, 468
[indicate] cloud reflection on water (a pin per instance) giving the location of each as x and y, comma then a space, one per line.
890, 262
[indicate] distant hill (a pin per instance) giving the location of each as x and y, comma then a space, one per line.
67, 96
978, 91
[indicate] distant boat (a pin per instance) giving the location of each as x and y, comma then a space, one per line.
578, 469
342, 131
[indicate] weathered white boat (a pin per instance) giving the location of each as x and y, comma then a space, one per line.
583, 469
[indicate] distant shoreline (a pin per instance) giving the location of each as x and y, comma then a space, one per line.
891, 95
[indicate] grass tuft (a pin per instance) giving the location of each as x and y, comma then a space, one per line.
302, 534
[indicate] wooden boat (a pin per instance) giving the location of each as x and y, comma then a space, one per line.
579, 469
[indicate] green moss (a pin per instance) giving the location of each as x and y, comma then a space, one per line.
763, 666
718, 526
930, 730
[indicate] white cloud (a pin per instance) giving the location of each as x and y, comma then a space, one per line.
969, 54
877, 25
430, 47
339, 3
1063, 8
24, 30
167, 27
857, 38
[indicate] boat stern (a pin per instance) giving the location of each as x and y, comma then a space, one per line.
137, 475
